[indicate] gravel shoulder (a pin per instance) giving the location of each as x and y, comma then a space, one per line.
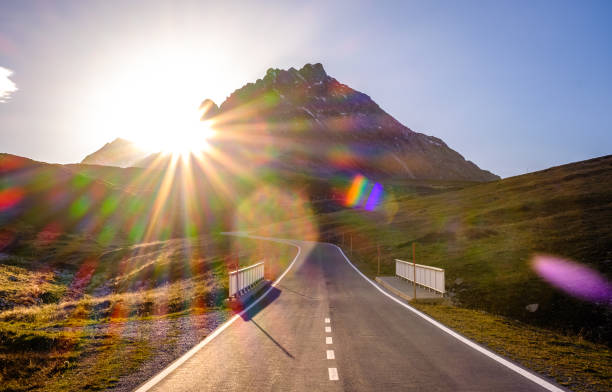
167, 339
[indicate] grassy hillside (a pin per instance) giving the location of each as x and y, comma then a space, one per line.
485, 236
65, 320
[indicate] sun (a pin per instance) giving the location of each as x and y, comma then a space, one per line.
191, 139
153, 101
182, 137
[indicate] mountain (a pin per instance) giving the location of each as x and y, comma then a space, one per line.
306, 121
320, 125
119, 152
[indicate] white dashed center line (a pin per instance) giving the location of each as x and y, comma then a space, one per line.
333, 374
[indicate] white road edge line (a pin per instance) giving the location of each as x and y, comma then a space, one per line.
333, 374
330, 354
328, 329
329, 340
178, 362
528, 375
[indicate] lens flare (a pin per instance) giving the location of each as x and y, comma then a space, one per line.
361, 194
356, 191
573, 278
274, 211
374, 198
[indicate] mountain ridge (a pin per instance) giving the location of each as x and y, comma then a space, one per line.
308, 121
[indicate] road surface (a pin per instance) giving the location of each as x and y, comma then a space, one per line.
326, 328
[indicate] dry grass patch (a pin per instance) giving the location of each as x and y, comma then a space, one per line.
569, 359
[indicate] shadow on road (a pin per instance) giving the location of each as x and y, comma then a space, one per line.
287, 353
259, 306
297, 292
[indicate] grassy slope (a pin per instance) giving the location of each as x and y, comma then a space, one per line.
485, 236
72, 317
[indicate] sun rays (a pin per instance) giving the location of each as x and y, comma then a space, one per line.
212, 171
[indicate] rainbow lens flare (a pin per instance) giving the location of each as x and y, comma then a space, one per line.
356, 191
361, 194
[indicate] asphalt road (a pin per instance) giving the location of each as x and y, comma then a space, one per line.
369, 342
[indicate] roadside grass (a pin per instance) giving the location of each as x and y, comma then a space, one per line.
22, 287
104, 320
570, 360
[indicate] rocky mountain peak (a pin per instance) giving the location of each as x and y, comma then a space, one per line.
309, 73
314, 108
313, 72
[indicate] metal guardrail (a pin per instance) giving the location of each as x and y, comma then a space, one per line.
245, 278
426, 276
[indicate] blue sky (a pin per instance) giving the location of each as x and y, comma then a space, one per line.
514, 86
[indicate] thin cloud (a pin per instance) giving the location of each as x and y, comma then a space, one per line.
7, 86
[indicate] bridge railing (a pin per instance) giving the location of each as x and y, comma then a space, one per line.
245, 278
426, 276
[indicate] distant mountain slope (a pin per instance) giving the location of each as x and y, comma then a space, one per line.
306, 121
119, 152
131, 179
105, 203
42, 196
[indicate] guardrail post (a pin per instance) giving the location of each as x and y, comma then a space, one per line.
414, 267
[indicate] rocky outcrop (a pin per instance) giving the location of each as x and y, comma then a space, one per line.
209, 109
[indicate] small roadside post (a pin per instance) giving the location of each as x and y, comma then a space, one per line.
378, 249
414, 267
351, 244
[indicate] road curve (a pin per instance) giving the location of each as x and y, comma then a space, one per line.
324, 327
